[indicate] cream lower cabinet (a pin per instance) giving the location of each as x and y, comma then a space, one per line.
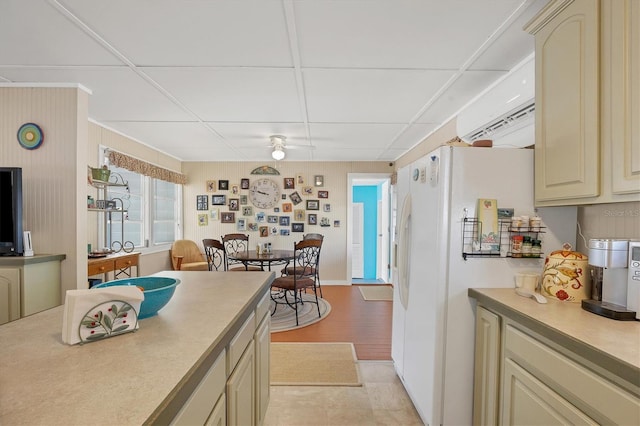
235, 389
486, 382
520, 378
262, 339
241, 390
587, 102
9, 294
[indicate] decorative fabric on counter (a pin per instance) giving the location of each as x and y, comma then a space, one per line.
99, 313
142, 167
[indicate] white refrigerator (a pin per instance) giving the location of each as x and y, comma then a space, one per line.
433, 318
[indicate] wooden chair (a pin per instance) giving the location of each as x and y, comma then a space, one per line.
289, 270
186, 256
286, 290
233, 244
214, 251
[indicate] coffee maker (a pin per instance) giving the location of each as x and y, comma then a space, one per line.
609, 279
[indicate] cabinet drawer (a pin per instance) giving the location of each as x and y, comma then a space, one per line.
100, 267
240, 342
263, 307
592, 393
203, 400
126, 262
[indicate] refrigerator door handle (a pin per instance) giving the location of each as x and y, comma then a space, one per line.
403, 251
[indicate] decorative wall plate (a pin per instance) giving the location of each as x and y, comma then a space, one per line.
30, 136
264, 170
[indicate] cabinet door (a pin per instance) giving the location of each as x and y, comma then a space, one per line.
241, 390
9, 294
218, 416
529, 401
486, 380
567, 102
263, 386
623, 97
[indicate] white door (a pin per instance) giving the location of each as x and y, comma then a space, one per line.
357, 249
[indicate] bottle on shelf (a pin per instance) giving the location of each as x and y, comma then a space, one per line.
526, 246
516, 246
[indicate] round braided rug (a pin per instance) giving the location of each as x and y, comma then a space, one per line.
284, 319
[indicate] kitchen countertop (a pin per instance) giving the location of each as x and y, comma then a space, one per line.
610, 344
133, 378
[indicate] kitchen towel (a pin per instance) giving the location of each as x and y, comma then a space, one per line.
106, 311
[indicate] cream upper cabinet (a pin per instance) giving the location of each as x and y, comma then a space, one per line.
621, 84
586, 97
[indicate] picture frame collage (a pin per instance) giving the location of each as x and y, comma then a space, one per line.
301, 203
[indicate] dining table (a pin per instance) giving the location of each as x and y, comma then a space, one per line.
263, 259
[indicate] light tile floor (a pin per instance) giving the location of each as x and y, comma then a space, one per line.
381, 400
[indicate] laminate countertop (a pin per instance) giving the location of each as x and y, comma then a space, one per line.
611, 344
129, 379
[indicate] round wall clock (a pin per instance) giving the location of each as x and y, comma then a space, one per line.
264, 193
30, 136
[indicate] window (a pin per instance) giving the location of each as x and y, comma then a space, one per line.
152, 206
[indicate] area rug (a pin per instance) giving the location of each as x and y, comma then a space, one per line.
284, 319
375, 292
314, 364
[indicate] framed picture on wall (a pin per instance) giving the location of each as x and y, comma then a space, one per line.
218, 200
211, 186
312, 219
244, 183
264, 231
284, 220
242, 224
272, 219
247, 211
202, 202
284, 232
313, 205
243, 200
228, 217
214, 214
203, 219
223, 185
235, 189
252, 226
297, 227
287, 207
295, 198
323, 194
326, 207
234, 204
289, 183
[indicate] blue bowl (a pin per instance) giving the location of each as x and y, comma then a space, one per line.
157, 292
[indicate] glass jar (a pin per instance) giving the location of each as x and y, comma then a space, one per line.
526, 246
536, 248
516, 246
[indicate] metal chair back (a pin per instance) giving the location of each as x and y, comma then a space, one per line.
214, 251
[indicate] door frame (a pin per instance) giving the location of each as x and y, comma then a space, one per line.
356, 179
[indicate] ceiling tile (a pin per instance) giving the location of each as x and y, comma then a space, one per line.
238, 94
34, 33
368, 96
191, 32
395, 34
118, 93
340, 136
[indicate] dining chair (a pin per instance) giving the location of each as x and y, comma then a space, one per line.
289, 270
286, 289
214, 251
186, 256
234, 244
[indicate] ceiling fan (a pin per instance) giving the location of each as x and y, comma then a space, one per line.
278, 143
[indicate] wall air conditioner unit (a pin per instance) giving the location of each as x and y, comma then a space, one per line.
504, 112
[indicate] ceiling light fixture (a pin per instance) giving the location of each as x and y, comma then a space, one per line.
277, 141
278, 152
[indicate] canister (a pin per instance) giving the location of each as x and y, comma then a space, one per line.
566, 275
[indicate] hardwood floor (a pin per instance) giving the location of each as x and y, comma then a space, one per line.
352, 319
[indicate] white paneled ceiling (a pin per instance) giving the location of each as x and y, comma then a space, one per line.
211, 80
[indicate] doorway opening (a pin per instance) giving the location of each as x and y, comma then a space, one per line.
368, 222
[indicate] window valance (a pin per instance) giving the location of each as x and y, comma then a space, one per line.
142, 167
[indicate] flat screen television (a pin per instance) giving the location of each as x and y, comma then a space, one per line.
11, 211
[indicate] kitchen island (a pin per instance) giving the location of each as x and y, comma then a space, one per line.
552, 363
145, 377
